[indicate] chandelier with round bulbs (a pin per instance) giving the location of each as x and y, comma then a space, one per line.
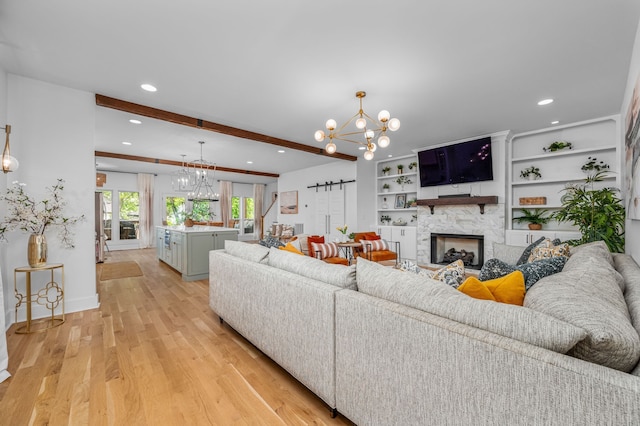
368, 128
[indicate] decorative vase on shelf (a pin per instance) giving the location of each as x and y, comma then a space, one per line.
37, 250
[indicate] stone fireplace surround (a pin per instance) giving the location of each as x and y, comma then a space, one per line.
459, 219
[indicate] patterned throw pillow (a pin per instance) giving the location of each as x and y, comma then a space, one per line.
452, 274
270, 241
527, 251
548, 252
408, 266
324, 250
533, 271
374, 245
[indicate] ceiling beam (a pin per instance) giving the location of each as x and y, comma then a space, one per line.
198, 123
180, 164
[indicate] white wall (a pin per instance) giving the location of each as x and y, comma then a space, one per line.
53, 137
299, 180
632, 228
9, 300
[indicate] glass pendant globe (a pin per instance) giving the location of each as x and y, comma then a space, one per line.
384, 141
319, 135
361, 123
9, 163
394, 124
369, 134
384, 115
330, 124
372, 147
330, 148
368, 155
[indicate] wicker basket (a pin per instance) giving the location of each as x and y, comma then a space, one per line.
533, 201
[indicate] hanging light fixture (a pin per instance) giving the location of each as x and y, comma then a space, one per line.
366, 126
201, 181
181, 179
9, 163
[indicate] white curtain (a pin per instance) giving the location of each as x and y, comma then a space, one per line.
258, 201
4, 356
226, 191
145, 226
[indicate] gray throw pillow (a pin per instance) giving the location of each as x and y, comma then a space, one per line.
532, 271
527, 251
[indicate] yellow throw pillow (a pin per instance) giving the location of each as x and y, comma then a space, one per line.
291, 248
507, 289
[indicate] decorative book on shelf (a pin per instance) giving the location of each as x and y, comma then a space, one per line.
533, 201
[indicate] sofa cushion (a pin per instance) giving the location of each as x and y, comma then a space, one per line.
533, 272
307, 266
587, 294
506, 289
452, 274
440, 299
507, 253
246, 251
630, 271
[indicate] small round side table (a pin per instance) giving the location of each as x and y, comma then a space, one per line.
348, 247
51, 296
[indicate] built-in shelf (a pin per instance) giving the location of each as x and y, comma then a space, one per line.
457, 201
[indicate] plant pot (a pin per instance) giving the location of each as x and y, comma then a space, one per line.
37, 251
188, 223
535, 226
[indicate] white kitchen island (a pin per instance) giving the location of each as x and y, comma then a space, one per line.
187, 249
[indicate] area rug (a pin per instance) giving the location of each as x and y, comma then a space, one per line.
112, 271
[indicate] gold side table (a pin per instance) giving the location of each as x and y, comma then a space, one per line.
51, 296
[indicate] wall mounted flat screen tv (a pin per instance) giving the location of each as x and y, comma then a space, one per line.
458, 163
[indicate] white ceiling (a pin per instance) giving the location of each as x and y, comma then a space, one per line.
447, 69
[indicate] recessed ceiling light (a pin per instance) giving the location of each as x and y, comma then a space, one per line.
545, 101
555, 122
389, 155
126, 143
134, 121
361, 148
249, 162
148, 87
281, 151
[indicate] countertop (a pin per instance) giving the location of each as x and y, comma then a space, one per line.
197, 228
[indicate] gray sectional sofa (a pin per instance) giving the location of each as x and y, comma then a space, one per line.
386, 347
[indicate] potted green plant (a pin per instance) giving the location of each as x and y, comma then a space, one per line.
598, 213
402, 181
557, 146
413, 165
385, 187
534, 217
400, 168
386, 170
593, 164
530, 173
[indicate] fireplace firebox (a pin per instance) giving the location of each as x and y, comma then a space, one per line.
447, 248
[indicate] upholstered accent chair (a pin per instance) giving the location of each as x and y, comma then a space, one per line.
327, 252
376, 249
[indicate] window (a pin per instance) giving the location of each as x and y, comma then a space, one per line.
201, 212
129, 215
242, 212
175, 208
107, 213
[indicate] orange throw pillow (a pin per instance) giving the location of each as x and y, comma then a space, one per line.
507, 289
290, 248
314, 239
371, 237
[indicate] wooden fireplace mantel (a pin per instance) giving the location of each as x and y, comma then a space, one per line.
453, 201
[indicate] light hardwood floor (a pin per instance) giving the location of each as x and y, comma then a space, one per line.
153, 354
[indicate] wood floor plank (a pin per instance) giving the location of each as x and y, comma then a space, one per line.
153, 353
